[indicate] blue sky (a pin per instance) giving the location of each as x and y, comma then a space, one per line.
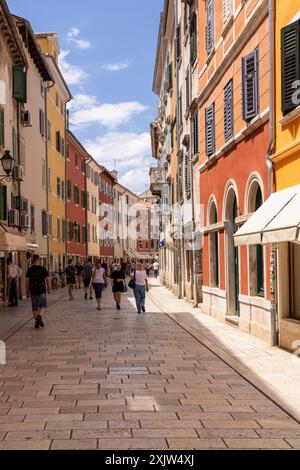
108, 53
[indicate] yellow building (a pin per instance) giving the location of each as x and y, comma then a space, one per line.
55, 130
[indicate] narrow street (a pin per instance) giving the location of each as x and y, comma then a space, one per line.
119, 380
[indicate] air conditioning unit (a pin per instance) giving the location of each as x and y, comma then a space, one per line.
13, 218
24, 205
26, 119
18, 173
25, 221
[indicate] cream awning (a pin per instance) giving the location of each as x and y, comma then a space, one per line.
11, 241
277, 220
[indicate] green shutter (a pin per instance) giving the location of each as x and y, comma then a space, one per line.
2, 133
20, 84
3, 202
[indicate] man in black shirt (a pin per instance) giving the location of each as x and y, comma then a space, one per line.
37, 282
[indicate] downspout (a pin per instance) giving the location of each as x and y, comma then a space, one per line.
179, 244
66, 172
270, 172
47, 171
88, 160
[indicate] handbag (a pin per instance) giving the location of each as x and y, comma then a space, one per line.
131, 283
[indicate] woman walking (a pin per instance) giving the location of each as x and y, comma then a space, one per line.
71, 278
118, 279
141, 286
99, 281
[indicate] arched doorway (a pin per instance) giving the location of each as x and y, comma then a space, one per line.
214, 248
256, 252
232, 255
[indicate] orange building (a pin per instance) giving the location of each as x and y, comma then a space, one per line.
233, 105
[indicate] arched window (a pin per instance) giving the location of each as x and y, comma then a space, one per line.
214, 248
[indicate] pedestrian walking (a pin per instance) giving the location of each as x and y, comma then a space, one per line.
78, 275
140, 287
71, 278
38, 282
99, 281
156, 268
87, 271
148, 267
13, 273
118, 280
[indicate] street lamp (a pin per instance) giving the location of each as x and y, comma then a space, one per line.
7, 162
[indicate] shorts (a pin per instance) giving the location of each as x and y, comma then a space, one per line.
98, 288
38, 301
87, 282
71, 281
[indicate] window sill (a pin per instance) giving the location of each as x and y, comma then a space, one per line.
227, 25
290, 117
210, 56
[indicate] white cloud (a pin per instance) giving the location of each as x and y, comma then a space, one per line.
115, 67
72, 37
73, 74
131, 152
88, 111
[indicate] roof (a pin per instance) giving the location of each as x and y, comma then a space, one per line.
72, 137
45, 35
34, 49
9, 30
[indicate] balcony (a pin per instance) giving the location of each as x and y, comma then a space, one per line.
157, 180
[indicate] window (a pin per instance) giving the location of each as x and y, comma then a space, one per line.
260, 286
22, 159
195, 134
69, 190
187, 176
45, 223
180, 110
62, 147
48, 130
42, 123
84, 238
78, 234
58, 187
178, 42
179, 184
3, 202
2, 128
290, 66
42, 89
63, 230
227, 10
57, 99
187, 90
169, 76
172, 133
58, 229
76, 159
83, 166
20, 84
63, 190
50, 225
228, 111
68, 151
193, 39
49, 179
88, 171
83, 199
88, 201
58, 141
44, 173
210, 130
214, 249
210, 26
76, 195
89, 233
294, 263
250, 85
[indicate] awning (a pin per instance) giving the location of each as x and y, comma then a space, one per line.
276, 221
11, 240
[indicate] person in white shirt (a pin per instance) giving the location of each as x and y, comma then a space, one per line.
13, 273
99, 281
156, 268
141, 286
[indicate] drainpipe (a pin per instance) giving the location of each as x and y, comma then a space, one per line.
270, 170
47, 171
178, 245
87, 161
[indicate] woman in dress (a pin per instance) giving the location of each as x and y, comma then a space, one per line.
99, 281
118, 281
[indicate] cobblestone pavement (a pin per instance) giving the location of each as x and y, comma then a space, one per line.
119, 380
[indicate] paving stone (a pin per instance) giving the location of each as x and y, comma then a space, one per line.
74, 444
37, 435
170, 424
230, 424
142, 433
133, 443
98, 434
71, 425
25, 445
195, 443
257, 444
294, 443
227, 433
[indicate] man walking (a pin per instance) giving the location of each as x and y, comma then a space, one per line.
71, 278
87, 271
156, 268
37, 281
14, 274
78, 275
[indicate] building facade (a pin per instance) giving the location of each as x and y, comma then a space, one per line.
93, 180
106, 215
76, 199
55, 131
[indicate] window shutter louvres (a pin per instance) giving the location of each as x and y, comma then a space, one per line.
290, 65
250, 85
228, 111
178, 42
209, 30
210, 130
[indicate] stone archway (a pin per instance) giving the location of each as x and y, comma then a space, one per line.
232, 254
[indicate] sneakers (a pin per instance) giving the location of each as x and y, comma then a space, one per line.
143, 309
118, 307
39, 323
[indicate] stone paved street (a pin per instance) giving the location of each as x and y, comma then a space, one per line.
119, 380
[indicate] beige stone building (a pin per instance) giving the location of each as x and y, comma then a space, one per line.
92, 174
